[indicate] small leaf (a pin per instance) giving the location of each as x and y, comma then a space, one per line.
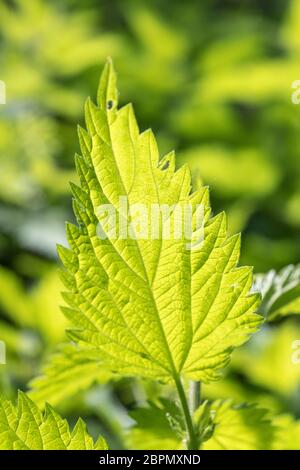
204, 422
280, 292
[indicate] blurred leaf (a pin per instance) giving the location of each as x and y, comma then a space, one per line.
43, 45
290, 29
262, 251
238, 214
36, 308
70, 370
234, 427
239, 427
292, 209
30, 323
153, 429
13, 300
232, 387
157, 36
233, 173
267, 361
19, 342
38, 230
287, 433
228, 52
254, 82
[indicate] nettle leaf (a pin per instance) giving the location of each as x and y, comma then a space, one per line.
221, 425
239, 427
204, 422
280, 291
25, 427
67, 372
150, 305
287, 433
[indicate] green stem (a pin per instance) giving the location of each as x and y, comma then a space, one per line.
192, 443
195, 395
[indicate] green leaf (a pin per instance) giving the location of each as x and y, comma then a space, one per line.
280, 291
287, 433
68, 371
24, 427
254, 175
204, 424
35, 309
13, 301
151, 307
154, 428
239, 427
220, 425
271, 360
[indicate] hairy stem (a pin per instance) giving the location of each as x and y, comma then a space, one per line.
192, 443
194, 395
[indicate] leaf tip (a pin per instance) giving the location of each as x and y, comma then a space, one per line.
107, 96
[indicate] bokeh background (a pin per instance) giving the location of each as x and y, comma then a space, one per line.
213, 80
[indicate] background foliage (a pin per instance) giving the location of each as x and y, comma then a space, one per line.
213, 79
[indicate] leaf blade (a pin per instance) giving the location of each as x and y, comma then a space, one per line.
25, 427
150, 306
